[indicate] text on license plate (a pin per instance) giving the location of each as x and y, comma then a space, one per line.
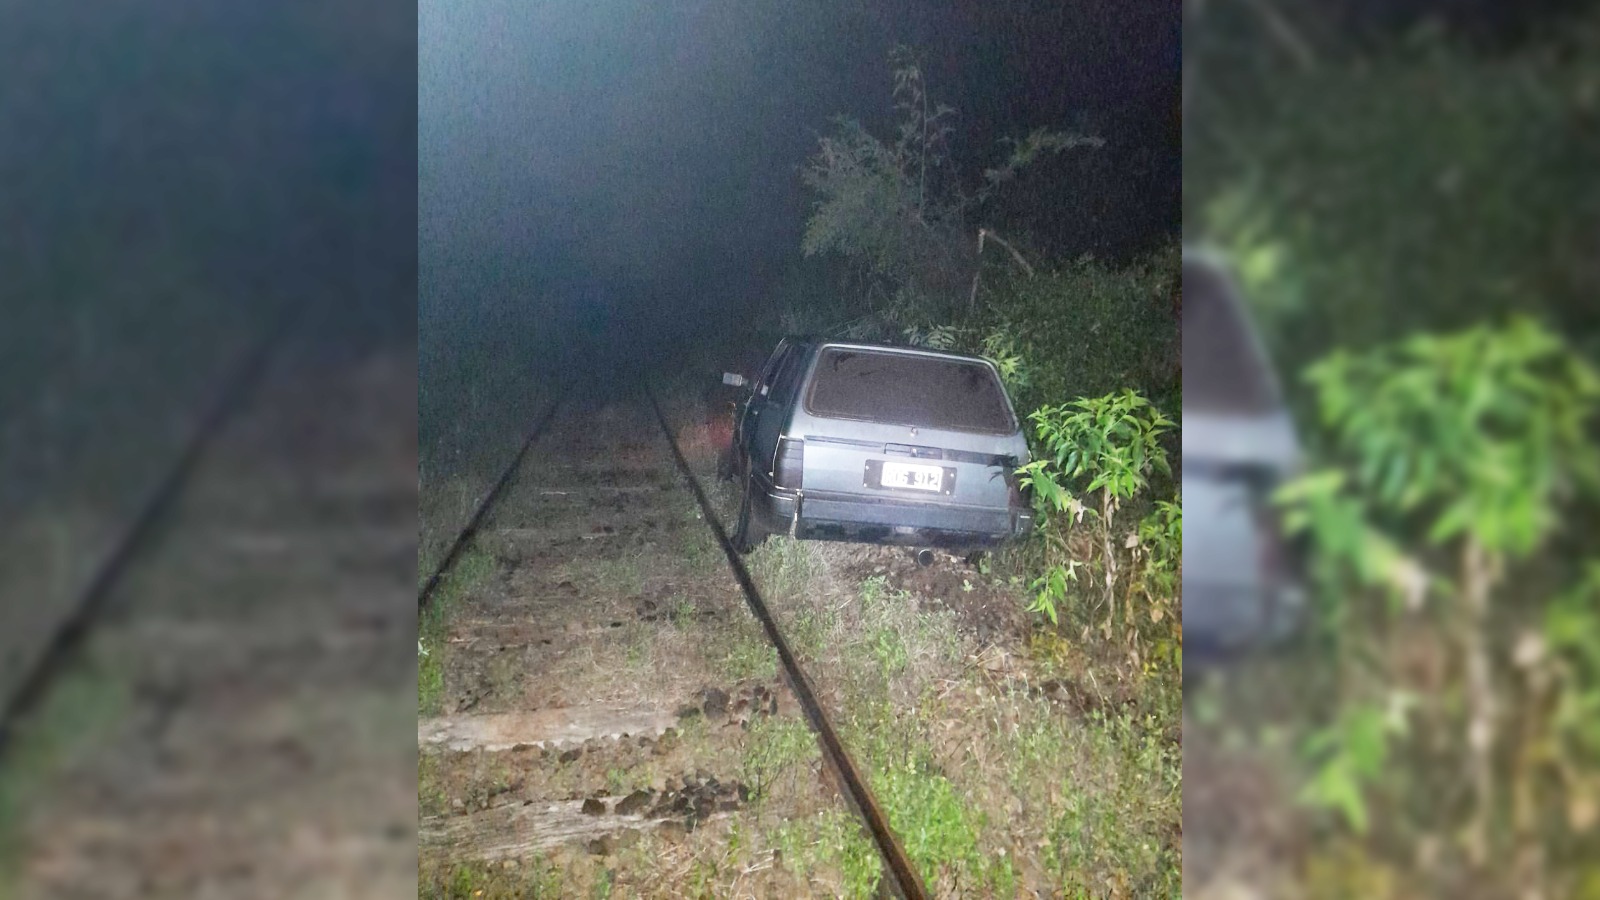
906, 475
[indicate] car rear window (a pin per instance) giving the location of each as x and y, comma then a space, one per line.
903, 389
1223, 370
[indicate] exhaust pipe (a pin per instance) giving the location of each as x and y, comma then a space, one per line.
925, 557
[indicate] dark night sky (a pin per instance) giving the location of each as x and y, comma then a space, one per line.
645, 155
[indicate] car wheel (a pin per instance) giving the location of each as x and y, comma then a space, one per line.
747, 535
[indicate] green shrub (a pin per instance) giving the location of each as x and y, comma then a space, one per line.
1095, 458
1457, 461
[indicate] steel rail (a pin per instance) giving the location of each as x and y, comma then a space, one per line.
903, 877
905, 880
67, 640
467, 533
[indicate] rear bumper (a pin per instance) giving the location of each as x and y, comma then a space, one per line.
845, 517
1230, 617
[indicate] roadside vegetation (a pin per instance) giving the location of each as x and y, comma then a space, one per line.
1013, 755
1089, 352
1417, 247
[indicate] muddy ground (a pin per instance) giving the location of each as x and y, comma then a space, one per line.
605, 719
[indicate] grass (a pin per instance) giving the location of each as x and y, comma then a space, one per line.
872, 593
79, 712
684, 614
639, 655
530, 879
808, 634
901, 640
947, 753
432, 798
938, 827
784, 567
776, 749
695, 733
620, 576
480, 778
491, 783
1113, 834
831, 842
975, 772
699, 549
621, 781
462, 442
748, 656
471, 568
889, 650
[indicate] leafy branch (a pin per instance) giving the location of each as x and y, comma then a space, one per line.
1462, 453
1096, 455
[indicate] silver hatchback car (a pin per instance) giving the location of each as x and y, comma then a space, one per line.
879, 444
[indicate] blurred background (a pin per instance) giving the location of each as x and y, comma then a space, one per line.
1398, 206
173, 178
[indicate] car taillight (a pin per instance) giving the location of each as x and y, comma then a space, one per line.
790, 462
1018, 498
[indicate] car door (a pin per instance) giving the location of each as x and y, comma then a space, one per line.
776, 408
756, 405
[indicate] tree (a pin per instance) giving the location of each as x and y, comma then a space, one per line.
898, 209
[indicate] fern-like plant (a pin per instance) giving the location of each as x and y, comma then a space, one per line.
1096, 454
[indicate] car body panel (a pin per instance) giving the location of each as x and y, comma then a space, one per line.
1231, 466
1242, 584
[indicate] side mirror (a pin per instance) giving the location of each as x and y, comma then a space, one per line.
733, 379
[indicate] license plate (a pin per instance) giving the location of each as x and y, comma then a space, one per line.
914, 477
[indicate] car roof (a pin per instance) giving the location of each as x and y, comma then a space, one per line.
820, 344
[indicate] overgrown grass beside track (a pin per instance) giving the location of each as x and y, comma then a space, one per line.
1008, 756
992, 784
433, 650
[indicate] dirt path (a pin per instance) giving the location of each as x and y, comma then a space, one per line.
226, 736
608, 716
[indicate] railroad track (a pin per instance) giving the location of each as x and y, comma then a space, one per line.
902, 877
215, 696
90, 605
470, 530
